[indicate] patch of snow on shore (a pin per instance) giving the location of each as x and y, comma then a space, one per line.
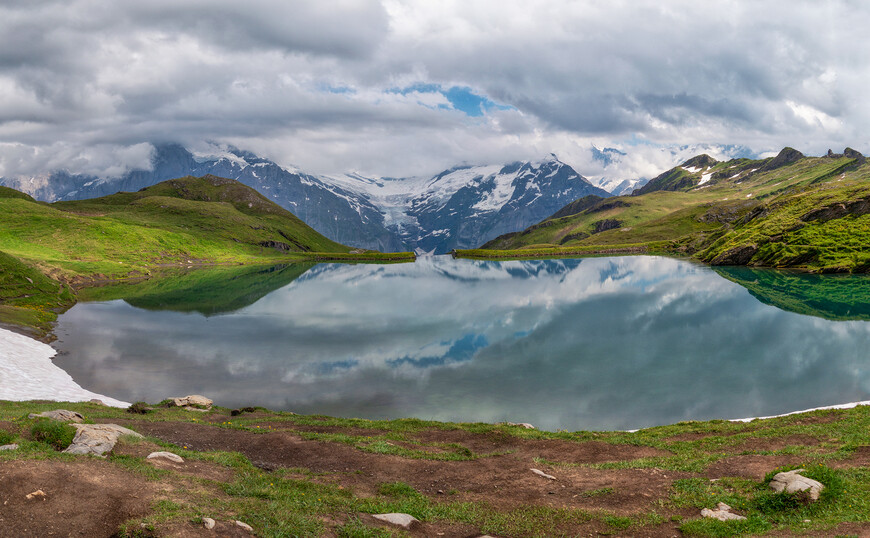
27, 373
840, 406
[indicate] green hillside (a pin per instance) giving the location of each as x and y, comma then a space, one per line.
28, 298
187, 221
785, 211
180, 223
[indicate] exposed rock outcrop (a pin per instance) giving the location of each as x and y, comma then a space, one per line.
837, 211
736, 256
606, 224
62, 415
97, 439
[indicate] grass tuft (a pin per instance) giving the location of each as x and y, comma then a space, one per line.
55, 433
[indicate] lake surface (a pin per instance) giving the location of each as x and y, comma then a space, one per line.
597, 343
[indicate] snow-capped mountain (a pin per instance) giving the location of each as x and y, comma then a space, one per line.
466, 206
619, 187
462, 207
336, 213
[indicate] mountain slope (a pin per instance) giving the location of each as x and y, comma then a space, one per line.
785, 211
178, 222
494, 201
331, 210
466, 205
460, 207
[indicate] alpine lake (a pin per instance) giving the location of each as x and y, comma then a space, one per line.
574, 344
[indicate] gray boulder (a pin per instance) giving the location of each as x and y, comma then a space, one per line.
62, 415
402, 520
193, 401
792, 482
97, 439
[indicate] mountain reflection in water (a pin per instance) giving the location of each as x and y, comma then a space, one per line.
598, 343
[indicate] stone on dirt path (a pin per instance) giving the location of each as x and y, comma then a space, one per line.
402, 520
35, 494
166, 455
244, 526
62, 415
208, 523
792, 482
97, 438
722, 513
543, 474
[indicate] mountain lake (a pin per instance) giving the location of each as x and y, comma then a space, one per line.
574, 344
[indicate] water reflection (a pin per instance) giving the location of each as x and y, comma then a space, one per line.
597, 343
834, 297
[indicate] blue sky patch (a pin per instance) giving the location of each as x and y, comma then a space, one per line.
461, 98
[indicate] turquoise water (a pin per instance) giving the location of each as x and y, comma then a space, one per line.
597, 343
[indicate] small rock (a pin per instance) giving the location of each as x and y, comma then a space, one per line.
98, 402
13, 446
97, 439
440, 492
525, 425
166, 455
402, 520
193, 401
542, 473
208, 523
722, 513
59, 414
792, 482
37, 493
244, 526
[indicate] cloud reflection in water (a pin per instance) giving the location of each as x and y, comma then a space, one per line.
598, 343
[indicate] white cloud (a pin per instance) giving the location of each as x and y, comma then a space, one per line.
95, 74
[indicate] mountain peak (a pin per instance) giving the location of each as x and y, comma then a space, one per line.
700, 161
786, 156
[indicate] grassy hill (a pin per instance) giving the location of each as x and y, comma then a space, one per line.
182, 222
28, 298
785, 211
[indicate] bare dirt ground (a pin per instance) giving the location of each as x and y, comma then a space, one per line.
93, 497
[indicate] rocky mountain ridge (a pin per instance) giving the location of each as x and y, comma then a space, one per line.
461, 207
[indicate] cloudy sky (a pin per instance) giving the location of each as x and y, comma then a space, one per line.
396, 88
